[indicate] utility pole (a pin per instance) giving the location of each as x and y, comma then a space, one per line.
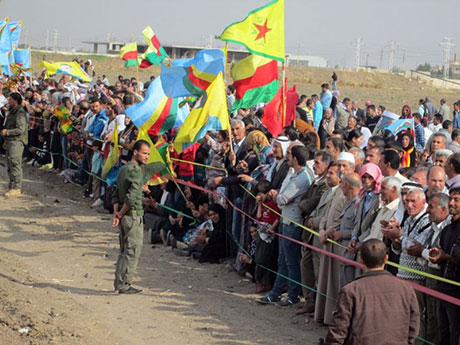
392, 55
367, 60
298, 53
357, 45
26, 38
447, 44
404, 59
55, 33
47, 40
381, 59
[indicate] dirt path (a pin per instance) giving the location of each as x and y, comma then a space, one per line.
56, 269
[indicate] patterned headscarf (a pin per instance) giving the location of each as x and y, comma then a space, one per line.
257, 140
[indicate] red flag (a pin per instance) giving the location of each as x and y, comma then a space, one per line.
272, 115
292, 99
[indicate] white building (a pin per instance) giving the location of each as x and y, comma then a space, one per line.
306, 60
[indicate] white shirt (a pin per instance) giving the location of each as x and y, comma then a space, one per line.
434, 128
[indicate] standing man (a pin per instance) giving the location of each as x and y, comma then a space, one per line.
444, 110
447, 255
438, 210
317, 111
416, 228
288, 198
310, 201
375, 308
15, 136
420, 138
325, 96
356, 111
128, 217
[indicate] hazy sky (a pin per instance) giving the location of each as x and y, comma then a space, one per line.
320, 28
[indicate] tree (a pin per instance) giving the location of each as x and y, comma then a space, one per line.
424, 68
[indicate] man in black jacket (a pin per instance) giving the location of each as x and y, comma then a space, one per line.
448, 257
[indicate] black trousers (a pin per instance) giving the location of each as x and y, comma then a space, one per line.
448, 323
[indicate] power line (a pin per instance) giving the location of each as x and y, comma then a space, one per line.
447, 44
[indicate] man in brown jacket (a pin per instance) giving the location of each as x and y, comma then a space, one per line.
375, 308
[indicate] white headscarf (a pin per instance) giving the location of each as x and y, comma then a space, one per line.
284, 142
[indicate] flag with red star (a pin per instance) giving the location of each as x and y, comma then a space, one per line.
262, 31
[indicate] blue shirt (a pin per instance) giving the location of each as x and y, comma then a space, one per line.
326, 99
419, 137
457, 120
317, 114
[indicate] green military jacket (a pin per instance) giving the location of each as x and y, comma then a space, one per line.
16, 125
129, 186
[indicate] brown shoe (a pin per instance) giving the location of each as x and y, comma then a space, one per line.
306, 309
13, 192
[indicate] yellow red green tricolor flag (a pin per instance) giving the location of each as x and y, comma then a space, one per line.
63, 115
211, 114
129, 54
157, 165
255, 79
262, 31
155, 52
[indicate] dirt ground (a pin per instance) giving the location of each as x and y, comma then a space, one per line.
57, 260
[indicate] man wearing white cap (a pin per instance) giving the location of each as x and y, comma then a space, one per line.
346, 162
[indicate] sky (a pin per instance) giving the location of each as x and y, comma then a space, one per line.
326, 29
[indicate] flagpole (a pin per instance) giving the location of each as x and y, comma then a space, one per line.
30, 65
137, 75
283, 93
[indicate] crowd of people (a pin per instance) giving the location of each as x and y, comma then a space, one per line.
333, 179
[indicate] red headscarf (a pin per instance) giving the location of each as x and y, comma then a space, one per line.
408, 116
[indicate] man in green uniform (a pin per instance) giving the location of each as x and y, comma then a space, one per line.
15, 134
127, 215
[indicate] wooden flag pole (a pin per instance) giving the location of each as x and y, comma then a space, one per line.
137, 76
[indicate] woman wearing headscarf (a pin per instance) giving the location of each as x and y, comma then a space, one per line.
406, 112
409, 158
215, 240
326, 127
257, 143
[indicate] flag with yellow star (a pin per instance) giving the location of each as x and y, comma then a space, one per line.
262, 31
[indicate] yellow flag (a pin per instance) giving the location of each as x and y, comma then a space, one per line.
262, 31
70, 68
114, 155
212, 115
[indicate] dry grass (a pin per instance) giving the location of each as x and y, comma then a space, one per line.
389, 90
